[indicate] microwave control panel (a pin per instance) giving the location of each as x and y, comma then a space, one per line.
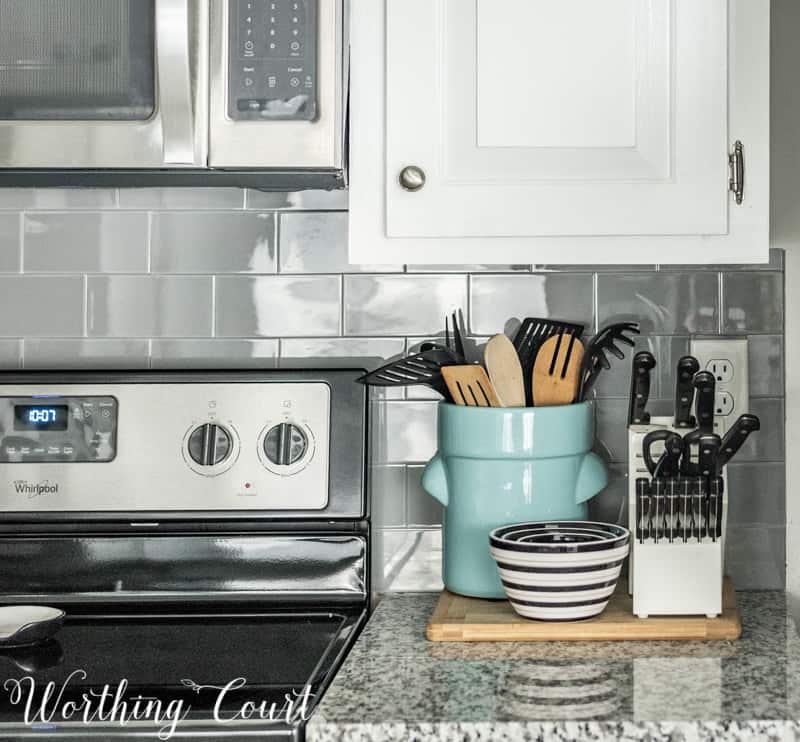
272, 60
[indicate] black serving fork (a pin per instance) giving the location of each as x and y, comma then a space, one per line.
530, 337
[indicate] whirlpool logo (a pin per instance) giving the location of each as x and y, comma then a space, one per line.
35, 489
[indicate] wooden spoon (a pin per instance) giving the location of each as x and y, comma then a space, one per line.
505, 371
470, 386
557, 370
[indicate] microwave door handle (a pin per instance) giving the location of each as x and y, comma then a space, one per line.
174, 81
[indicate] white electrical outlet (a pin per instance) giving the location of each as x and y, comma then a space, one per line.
726, 358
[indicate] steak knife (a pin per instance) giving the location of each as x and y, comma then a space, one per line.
643, 364
705, 385
736, 436
688, 366
708, 454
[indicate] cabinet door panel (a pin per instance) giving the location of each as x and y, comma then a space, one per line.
524, 113
520, 104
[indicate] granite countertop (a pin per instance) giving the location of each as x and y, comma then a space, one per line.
396, 685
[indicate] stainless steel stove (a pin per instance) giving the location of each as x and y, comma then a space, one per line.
207, 534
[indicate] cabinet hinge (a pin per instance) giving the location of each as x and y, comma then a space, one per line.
736, 165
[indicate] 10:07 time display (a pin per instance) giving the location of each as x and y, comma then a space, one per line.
41, 417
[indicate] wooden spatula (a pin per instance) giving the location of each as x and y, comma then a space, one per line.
470, 386
505, 371
556, 372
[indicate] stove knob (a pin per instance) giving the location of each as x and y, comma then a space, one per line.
285, 444
209, 444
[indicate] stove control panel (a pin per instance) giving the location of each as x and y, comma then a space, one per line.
43, 429
163, 447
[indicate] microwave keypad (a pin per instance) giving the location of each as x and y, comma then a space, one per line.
41, 429
272, 65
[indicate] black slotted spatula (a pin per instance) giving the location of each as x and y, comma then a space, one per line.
420, 368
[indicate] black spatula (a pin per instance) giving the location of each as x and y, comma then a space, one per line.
420, 368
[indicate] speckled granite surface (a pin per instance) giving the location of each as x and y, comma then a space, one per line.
395, 685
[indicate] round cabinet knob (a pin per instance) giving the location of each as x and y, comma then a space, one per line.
412, 178
209, 445
285, 444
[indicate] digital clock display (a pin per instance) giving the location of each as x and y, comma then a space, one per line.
41, 417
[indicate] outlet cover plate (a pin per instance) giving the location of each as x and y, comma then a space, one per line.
714, 354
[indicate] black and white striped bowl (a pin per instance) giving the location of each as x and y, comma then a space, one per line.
559, 571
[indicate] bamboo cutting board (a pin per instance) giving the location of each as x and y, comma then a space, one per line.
460, 619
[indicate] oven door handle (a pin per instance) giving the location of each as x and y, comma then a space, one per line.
173, 62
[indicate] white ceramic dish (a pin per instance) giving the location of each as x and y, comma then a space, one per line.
559, 571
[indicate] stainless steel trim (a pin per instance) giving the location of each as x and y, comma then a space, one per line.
174, 81
736, 164
280, 144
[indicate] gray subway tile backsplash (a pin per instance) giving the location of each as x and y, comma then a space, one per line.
10, 243
752, 302
421, 508
213, 242
222, 278
663, 303
497, 300
367, 353
42, 306
10, 354
85, 242
86, 353
765, 365
149, 306
21, 199
174, 199
316, 242
756, 494
410, 432
302, 200
401, 305
278, 306
214, 353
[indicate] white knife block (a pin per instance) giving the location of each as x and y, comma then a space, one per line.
668, 579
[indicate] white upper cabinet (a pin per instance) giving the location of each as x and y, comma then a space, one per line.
576, 131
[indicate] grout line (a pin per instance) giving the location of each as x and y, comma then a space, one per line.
149, 352
596, 301
721, 301
21, 353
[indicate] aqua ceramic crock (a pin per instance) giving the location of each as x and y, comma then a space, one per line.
501, 465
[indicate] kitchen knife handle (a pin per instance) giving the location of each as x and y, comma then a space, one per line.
736, 436
705, 385
708, 454
690, 440
643, 364
688, 366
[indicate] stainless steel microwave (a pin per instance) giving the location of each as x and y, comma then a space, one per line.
181, 92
